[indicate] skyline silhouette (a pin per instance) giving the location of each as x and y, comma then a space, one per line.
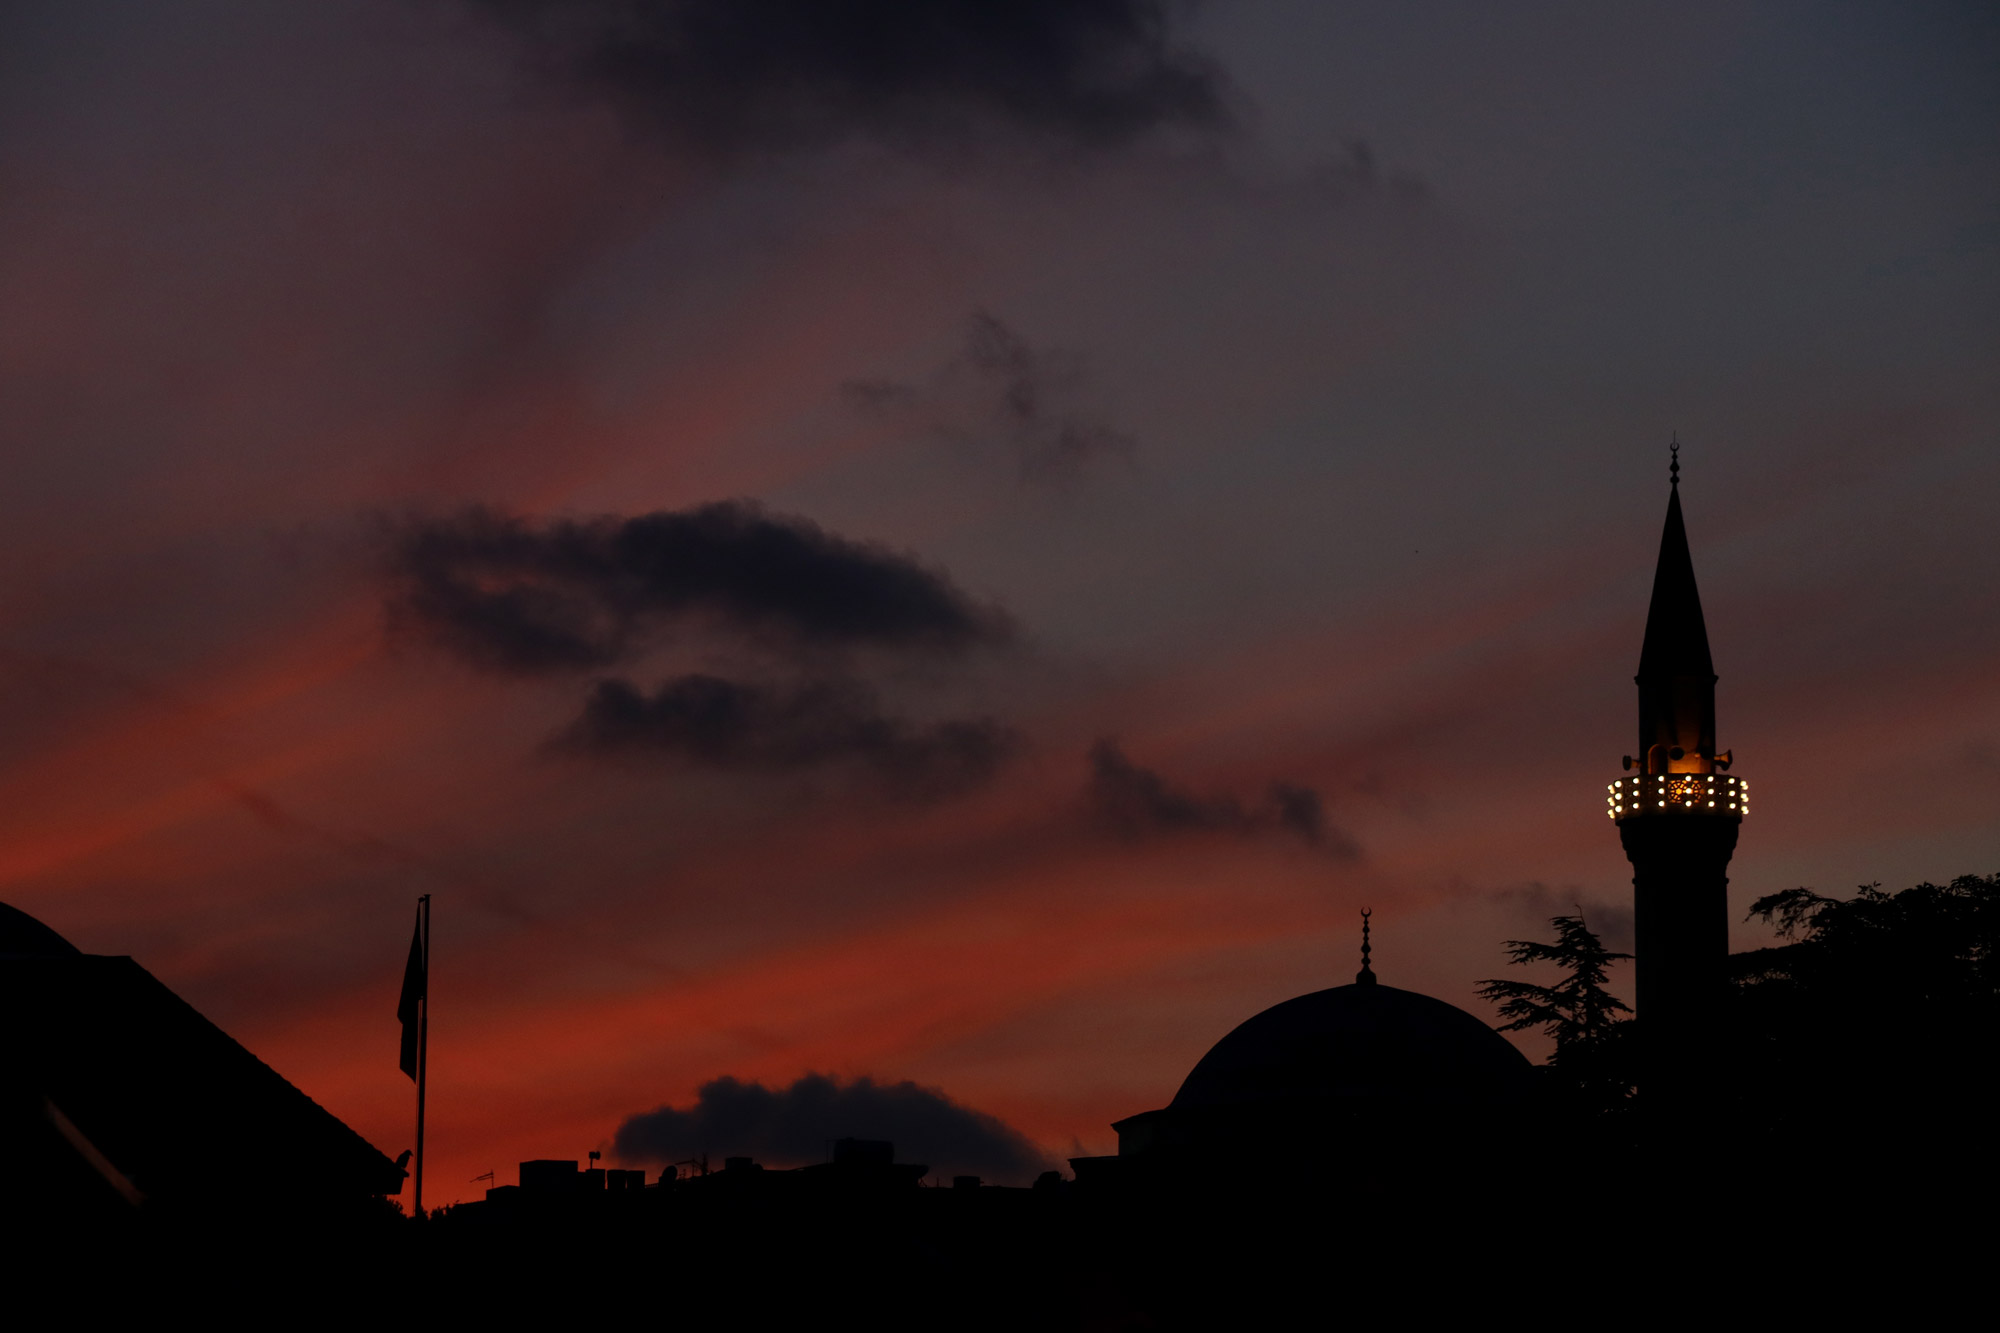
947, 562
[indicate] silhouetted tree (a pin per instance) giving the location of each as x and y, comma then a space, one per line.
1883, 1005
1931, 942
1593, 1051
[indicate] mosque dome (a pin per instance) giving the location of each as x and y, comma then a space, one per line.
1361, 1046
1295, 1083
21, 936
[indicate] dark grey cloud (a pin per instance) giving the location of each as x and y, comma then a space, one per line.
1138, 802
1301, 810
732, 77
1001, 385
796, 1125
530, 598
739, 725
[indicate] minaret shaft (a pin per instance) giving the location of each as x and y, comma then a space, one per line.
1678, 820
1680, 929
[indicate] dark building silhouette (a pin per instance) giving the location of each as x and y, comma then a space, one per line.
1678, 817
859, 1169
118, 1098
1288, 1090
1291, 1086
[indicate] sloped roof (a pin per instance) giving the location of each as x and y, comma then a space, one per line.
177, 1105
23, 936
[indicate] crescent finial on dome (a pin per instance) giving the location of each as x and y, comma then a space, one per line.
1365, 977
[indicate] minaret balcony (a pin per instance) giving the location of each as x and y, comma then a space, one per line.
1702, 795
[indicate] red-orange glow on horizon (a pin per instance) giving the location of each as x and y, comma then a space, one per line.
876, 1001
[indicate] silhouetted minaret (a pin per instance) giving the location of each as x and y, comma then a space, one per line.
1678, 820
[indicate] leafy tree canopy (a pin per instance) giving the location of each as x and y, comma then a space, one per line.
1883, 1007
1928, 944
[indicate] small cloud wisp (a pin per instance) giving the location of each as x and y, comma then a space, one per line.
1137, 802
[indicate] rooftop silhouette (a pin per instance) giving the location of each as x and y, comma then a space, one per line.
161, 1107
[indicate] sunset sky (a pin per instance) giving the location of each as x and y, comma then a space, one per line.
957, 543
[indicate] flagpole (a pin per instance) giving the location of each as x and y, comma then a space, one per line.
423, 1049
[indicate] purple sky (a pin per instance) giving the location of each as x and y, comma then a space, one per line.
1276, 393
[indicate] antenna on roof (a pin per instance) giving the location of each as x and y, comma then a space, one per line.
1365, 977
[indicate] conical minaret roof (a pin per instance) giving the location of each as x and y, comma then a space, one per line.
1676, 675
1676, 635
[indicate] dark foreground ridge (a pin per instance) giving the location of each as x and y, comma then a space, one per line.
1612, 1217
1362, 1150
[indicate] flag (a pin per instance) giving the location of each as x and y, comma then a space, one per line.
415, 984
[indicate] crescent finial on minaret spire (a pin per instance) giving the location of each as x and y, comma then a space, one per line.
1366, 977
1674, 468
